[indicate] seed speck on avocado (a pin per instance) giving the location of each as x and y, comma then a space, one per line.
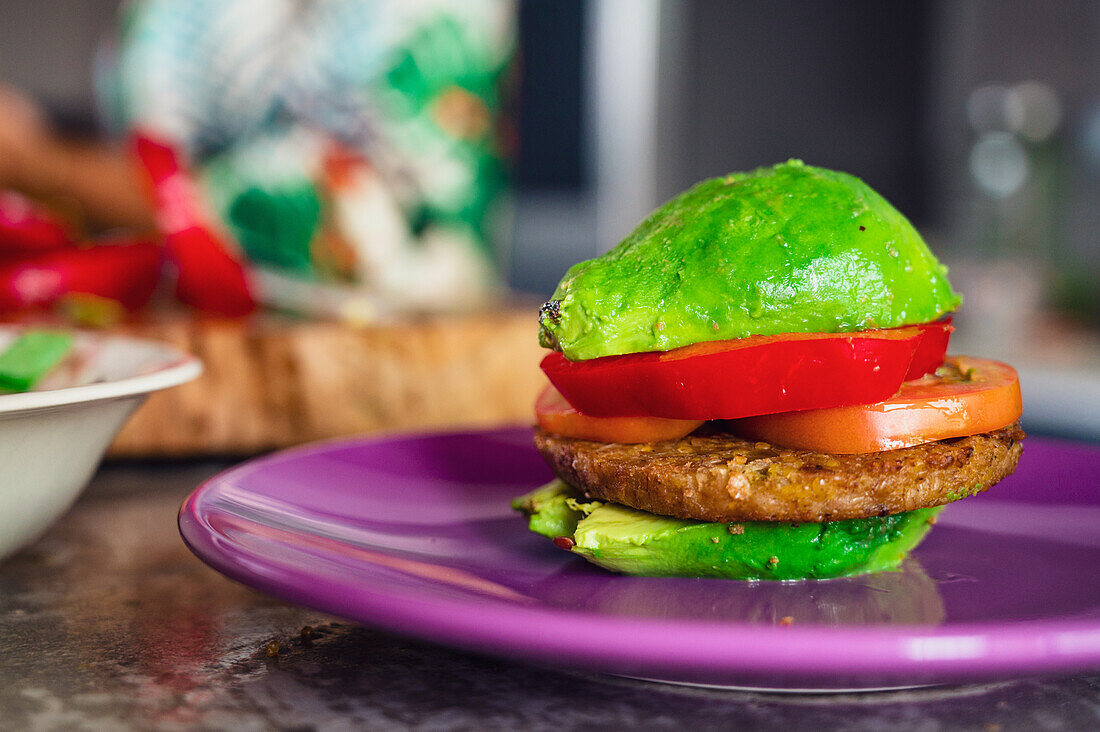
551, 310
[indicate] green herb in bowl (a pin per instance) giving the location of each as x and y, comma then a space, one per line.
30, 357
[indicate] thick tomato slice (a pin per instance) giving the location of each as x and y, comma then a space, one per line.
968, 396
749, 376
556, 416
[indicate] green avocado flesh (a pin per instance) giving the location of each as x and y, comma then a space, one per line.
635, 542
786, 249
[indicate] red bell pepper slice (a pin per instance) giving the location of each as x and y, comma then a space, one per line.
747, 376
27, 227
126, 272
210, 277
931, 350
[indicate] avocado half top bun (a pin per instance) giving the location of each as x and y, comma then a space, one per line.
753, 385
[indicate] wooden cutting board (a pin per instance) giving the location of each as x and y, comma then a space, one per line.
272, 382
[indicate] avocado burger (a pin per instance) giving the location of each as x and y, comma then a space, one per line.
753, 385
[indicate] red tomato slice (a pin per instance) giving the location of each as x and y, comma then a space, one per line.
745, 377
556, 416
26, 227
124, 270
968, 397
210, 274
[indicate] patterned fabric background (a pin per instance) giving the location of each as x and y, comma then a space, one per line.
347, 141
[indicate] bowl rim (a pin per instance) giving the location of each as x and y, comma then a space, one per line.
174, 368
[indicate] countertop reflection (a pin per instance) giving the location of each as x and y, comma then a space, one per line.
108, 622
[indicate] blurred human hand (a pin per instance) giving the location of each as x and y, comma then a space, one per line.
23, 132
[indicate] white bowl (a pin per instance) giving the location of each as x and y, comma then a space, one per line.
52, 439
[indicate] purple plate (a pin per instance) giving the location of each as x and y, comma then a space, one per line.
414, 534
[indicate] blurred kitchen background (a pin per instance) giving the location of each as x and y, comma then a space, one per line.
980, 120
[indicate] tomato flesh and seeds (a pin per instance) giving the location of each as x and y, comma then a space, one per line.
556, 416
967, 396
750, 376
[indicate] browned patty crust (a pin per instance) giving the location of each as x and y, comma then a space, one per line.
719, 477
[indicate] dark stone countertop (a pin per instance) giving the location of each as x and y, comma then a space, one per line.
108, 622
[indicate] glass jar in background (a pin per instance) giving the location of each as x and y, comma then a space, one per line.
1078, 282
1010, 229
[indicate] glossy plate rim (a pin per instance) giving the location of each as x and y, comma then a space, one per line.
680, 651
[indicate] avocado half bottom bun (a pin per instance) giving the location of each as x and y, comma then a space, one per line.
754, 385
